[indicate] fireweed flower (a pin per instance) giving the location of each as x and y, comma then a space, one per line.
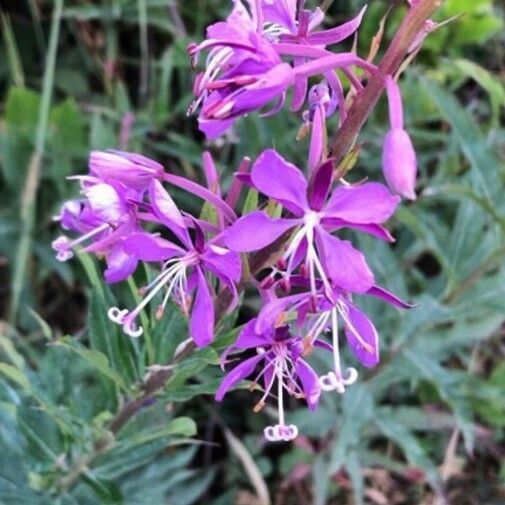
132, 170
183, 272
104, 218
281, 358
281, 18
399, 163
244, 69
316, 317
316, 211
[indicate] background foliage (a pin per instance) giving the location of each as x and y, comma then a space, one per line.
426, 426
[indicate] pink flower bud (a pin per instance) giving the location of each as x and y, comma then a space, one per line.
399, 163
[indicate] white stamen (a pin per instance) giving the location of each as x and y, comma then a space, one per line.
173, 277
116, 315
335, 380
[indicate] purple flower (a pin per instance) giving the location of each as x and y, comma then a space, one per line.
104, 218
316, 212
131, 169
281, 22
281, 358
244, 70
184, 272
399, 163
317, 316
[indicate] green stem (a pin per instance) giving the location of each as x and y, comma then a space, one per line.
29, 194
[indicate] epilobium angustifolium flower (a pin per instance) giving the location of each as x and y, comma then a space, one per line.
245, 70
316, 210
125, 213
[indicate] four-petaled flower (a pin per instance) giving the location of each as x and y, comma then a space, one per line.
282, 359
316, 212
183, 272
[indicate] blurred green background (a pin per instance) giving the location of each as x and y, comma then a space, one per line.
426, 427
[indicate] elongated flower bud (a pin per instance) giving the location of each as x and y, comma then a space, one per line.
399, 163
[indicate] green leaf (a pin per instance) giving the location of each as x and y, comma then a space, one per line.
16, 375
68, 128
493, 86
492, 409
484, 173
448, 384
251, 201
95, 358
13, 58
412, 449
186, 392
22, 110
179, 427
44, 327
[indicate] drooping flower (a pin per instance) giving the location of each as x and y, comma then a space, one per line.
316, 212
183, 276
399, 163
281, 358
105, 217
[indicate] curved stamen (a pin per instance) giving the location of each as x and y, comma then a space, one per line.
63, 245
342, 311
335, 380
281, 431
173, 278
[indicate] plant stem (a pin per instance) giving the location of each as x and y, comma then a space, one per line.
364, 103
29, 194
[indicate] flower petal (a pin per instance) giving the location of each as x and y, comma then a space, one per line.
368, 203
249, 337
106, 203
337, 34
223, 261
166, 210
317, 138
390, 298
345, 265
320, 184
270, 312
202, 313
148, 247
334, 223
273, 176
362, 327
282, 12
255, 231
237, 374
120, 265
310, 383
212, 128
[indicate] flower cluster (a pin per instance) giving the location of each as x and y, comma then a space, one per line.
309, 283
